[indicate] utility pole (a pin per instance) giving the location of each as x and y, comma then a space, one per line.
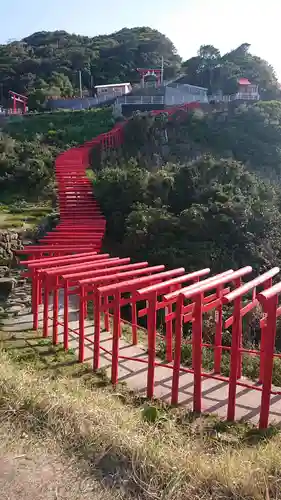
162, 70
80, 84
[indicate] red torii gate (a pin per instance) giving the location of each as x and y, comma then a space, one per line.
239, 311
269, 300
37, 266
196, 293
106, 277
91, 286
146, 72
194, 313
116, 291
51, 281
18, 98
92, 278
37, 252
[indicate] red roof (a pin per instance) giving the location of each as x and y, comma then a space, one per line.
244, 81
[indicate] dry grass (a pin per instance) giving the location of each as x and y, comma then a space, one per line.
175, 457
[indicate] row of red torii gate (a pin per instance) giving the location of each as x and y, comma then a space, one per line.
72, 278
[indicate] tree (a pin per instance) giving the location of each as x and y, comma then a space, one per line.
221, 72
56, 57
61, 81
118, 189
222, 210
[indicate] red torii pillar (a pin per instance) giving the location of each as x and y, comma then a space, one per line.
18, 98
144, 72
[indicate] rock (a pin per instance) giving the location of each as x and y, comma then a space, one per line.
4, 271
20, 295
9, 241
14, 309
26, 302
6, 287
21, 282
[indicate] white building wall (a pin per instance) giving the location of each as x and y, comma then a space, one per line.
181, 95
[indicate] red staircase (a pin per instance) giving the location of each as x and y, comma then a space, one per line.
81, 222
82, 225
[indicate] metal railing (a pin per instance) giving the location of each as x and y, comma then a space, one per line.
140, 99
235, 97
185, 98
169, 101
191, 89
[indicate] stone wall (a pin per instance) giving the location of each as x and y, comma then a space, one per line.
9, 241
15, 295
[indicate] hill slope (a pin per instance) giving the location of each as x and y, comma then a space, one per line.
220, 209
49, 61
29, 146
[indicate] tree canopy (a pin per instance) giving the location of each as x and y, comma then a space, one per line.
216, 71
198, 190
29, 146
47, 63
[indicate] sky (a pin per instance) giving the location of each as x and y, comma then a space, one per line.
188, 23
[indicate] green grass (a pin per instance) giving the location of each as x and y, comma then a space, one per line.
23, 215
69, 126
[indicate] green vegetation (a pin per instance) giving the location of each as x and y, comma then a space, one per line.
110, 434
219, 210
219, 72
22, 215
46, 63
28, 149
62, 128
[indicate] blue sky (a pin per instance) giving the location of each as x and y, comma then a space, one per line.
188, 23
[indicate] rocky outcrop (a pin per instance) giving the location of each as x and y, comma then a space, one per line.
15, 294
9, 241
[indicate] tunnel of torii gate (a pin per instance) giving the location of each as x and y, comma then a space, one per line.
72, 277
109, 283
18, 98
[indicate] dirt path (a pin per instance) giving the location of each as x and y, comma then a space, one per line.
35, 468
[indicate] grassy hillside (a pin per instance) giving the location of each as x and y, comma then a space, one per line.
61, 128
46, 63
28, 148
199, 190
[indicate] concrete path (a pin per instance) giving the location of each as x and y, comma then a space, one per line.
134, 374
